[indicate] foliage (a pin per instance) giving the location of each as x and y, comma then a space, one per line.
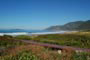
81, 56
25, 55
33, 52
8, 41
77, 40
23, 37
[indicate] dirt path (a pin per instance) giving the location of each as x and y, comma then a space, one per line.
56, 46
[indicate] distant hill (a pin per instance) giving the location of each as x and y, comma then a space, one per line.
78, 25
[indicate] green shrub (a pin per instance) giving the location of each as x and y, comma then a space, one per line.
23, 37
66, 39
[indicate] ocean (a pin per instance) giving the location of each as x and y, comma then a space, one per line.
19, 30
27, 32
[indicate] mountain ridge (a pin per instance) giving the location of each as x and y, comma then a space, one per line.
77, 25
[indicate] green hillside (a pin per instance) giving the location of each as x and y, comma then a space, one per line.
78, 25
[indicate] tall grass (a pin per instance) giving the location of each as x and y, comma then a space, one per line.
33, 52
22, 51
8, 41
30, 52
77, 40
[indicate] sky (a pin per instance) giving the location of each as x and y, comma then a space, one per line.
41, 14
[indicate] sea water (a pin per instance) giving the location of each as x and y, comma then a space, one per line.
28, 32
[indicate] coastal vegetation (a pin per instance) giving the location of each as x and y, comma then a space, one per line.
23, 37
7, 41
77, 39
11, 47
33, 52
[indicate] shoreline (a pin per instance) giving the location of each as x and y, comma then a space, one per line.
14, 33
35, 33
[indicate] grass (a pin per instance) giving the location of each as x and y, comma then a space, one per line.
25, 55
81, 56
76, 39
8, 42
16, 50
23, 37
32, 52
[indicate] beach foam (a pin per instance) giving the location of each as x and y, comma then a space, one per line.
41, 33
13, 34
34, 33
